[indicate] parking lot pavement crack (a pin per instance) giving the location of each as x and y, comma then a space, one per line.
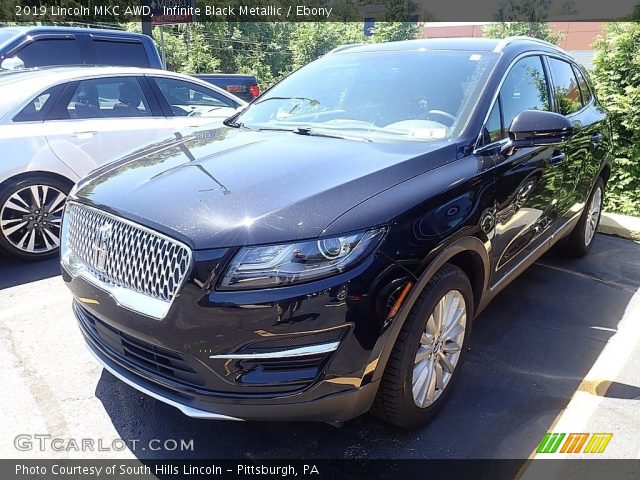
587, 276
44, 397
77, 399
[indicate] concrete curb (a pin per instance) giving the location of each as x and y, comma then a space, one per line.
620, 225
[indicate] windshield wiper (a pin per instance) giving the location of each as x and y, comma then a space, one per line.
274, 129
314, 133
308, 131
231, 121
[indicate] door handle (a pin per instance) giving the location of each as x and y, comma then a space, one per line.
557, 158
87, 134
596, 138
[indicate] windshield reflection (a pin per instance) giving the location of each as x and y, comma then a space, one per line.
420, 95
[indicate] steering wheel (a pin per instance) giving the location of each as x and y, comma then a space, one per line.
179, 111
442, 113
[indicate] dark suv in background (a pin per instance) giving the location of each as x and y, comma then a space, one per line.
48, 46
327, 250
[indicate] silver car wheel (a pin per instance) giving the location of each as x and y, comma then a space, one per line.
593, 215
440, 348
31, 218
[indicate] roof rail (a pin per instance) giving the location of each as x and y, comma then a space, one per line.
506, 41
344, 47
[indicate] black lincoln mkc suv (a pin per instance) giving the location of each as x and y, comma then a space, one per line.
324, 253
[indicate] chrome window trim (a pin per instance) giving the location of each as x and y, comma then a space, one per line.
137, 302
294, 352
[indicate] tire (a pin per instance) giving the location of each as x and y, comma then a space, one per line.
30, 216
398, 399
581, 239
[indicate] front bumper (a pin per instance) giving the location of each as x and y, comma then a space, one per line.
337, 407
307, 353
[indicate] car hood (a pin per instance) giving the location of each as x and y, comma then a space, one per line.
227, 187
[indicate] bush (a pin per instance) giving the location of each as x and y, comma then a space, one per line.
617, 82
541, 30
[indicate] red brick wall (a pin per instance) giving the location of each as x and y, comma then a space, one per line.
577, 35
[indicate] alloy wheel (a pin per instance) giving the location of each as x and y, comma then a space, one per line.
31, 218
440, 348
593, 215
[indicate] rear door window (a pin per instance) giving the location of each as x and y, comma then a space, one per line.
108, 98
50, 51
37, 109
565, 87
110, 52
584, 86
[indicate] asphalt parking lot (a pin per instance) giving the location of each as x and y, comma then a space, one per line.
559, 348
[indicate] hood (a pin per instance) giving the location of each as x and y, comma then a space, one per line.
228, 187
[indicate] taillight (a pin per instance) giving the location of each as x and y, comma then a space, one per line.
254, 90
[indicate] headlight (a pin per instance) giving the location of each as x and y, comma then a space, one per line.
279, 265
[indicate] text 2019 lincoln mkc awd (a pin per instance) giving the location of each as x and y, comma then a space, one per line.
326, 251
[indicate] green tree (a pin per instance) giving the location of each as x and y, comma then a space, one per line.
394, 31
526, 17
268, 50
258, 48
200, 57
311, 40
617, 82
541, 30
174, 43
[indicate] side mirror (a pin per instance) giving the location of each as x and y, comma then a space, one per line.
12, 63
533, 128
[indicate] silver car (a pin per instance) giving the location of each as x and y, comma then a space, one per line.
57, 124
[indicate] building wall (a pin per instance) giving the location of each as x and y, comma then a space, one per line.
577, 40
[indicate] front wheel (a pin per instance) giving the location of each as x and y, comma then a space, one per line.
31, 216
426, 357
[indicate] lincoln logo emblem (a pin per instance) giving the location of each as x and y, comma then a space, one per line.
102, 245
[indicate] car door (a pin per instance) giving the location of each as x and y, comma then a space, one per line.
189, 104
101, 119
573, 99
527, 179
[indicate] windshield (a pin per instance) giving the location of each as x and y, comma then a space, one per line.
386, 95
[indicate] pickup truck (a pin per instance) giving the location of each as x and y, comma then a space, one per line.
29, 47
243, 86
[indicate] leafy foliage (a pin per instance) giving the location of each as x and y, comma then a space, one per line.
312, 40
539, 30
535, 12
394, 31
269, 50
617, 81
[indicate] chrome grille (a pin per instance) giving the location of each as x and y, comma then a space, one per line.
134, 258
